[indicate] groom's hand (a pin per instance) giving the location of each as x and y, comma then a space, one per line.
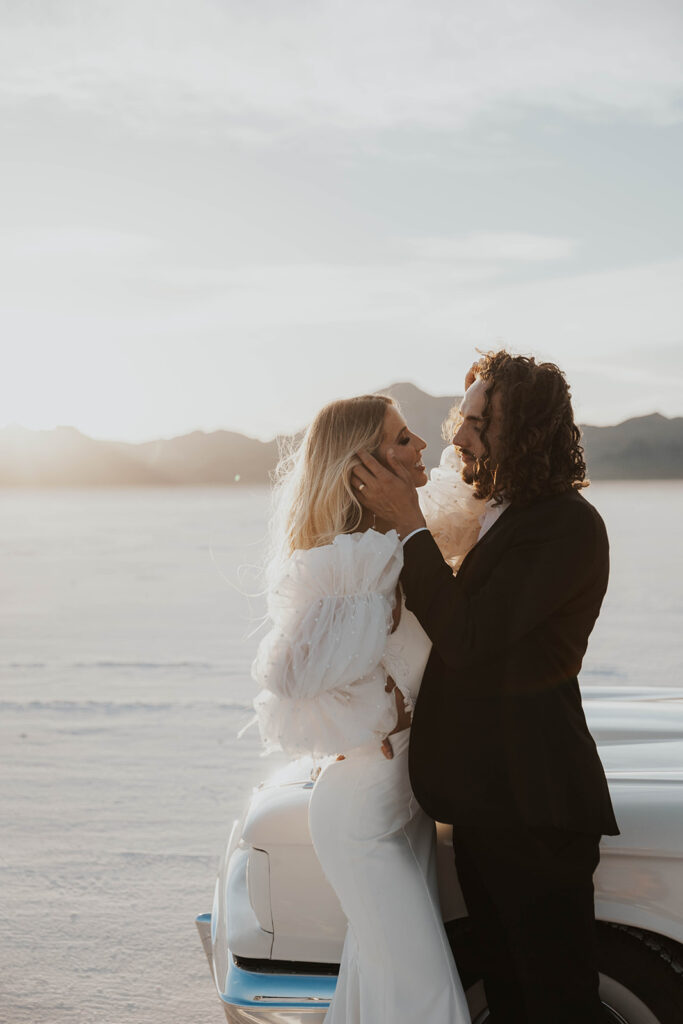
389, 493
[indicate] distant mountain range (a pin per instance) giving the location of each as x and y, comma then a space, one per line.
645, 448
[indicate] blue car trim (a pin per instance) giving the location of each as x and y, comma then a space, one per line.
286, 991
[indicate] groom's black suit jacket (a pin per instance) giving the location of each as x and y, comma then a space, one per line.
499, 736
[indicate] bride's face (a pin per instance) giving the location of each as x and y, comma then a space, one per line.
407, 446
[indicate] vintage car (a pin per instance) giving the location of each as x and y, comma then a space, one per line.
275, 934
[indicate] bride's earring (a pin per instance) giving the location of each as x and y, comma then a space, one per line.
374, 520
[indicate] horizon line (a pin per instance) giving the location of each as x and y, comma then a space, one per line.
228, 430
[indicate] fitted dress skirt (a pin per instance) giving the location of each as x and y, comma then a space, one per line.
377, 849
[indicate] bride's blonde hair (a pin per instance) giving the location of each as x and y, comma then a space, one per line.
313, 498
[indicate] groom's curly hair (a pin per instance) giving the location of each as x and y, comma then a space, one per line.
540, 452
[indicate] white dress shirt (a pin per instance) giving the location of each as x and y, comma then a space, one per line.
492, 513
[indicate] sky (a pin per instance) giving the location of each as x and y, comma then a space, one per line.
225, 213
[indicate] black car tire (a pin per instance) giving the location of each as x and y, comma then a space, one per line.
641, 975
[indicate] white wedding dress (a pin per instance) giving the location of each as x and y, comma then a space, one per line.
323, 668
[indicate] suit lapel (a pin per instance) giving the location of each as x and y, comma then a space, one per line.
498, 529
503, 518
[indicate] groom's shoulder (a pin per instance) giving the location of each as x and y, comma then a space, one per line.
575, 505
568, 510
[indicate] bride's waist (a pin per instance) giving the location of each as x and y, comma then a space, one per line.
399, 744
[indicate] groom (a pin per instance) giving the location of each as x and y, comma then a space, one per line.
499, 744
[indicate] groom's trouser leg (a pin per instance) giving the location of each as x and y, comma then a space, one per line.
529, 893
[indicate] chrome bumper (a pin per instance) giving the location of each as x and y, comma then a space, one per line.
259, 997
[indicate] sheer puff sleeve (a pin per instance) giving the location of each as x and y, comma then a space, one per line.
320, 664
451, 511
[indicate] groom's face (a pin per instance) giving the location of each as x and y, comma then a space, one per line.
467, 438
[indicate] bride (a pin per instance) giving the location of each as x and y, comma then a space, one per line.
340, 669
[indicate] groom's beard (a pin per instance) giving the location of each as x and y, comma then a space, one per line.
468, 470
478, 474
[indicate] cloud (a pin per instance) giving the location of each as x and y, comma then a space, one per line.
100, 269
495, 247
258, 349
466, 290
264, 70
75, 243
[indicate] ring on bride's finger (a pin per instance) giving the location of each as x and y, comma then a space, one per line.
361, 486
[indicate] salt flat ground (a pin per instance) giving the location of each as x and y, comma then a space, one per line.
124, 675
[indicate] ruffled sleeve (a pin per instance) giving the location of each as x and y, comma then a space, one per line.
320, 664
452, 512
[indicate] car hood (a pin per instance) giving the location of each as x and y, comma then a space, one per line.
639, 736
635, 728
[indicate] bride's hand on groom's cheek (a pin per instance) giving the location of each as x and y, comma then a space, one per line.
388, 492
